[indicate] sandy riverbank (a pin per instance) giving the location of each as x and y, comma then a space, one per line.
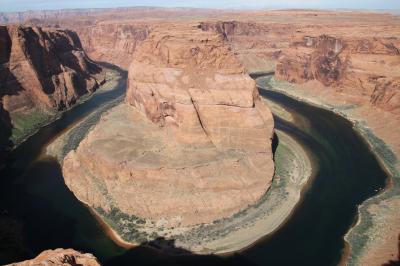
294, 168
374, 238
110, 232
67, 140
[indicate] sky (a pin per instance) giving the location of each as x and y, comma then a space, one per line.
22, 5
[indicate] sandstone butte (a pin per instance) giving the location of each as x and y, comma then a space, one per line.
191, 144
41, 69
57, 257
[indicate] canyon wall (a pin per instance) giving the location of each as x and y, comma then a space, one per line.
364, 69
41, 71
112, 42
256, 45
259, 38
103, 40
192, 142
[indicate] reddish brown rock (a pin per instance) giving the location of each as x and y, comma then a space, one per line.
112, 42
321, 58
257, 45
45, 67
364, 69
42, 69
191, 145
60, 257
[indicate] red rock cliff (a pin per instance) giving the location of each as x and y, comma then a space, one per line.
42, 69
365, 68
112, 42
256, 45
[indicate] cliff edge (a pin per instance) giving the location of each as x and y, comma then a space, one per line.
42, 71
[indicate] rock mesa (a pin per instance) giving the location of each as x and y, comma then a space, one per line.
191, 144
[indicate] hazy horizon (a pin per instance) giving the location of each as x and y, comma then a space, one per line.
25, 5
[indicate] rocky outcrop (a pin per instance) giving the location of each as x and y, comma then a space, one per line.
192, 143
319, 58
103, 41
112, 42
60, 257
42, 69
386, 94
256, 45
363, 69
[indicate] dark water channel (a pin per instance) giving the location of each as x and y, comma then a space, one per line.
38, 212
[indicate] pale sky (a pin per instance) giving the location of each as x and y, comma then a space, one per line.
22, 5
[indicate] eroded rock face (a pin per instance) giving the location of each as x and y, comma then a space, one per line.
44, 69
112, 42
316, 58
60, 257
256, 45
192, 143
361, 68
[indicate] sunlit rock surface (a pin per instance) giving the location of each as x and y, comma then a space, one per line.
191, 144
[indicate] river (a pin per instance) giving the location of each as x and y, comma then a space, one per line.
38, 212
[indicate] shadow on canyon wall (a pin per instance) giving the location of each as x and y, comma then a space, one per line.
31, 148
9, 85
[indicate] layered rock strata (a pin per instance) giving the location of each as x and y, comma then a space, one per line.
60, 257
259, 38
256, 45
365, 70
42, 69
112, 42
192, 143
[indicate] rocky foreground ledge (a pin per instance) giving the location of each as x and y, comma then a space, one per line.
65, 257
192, 143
